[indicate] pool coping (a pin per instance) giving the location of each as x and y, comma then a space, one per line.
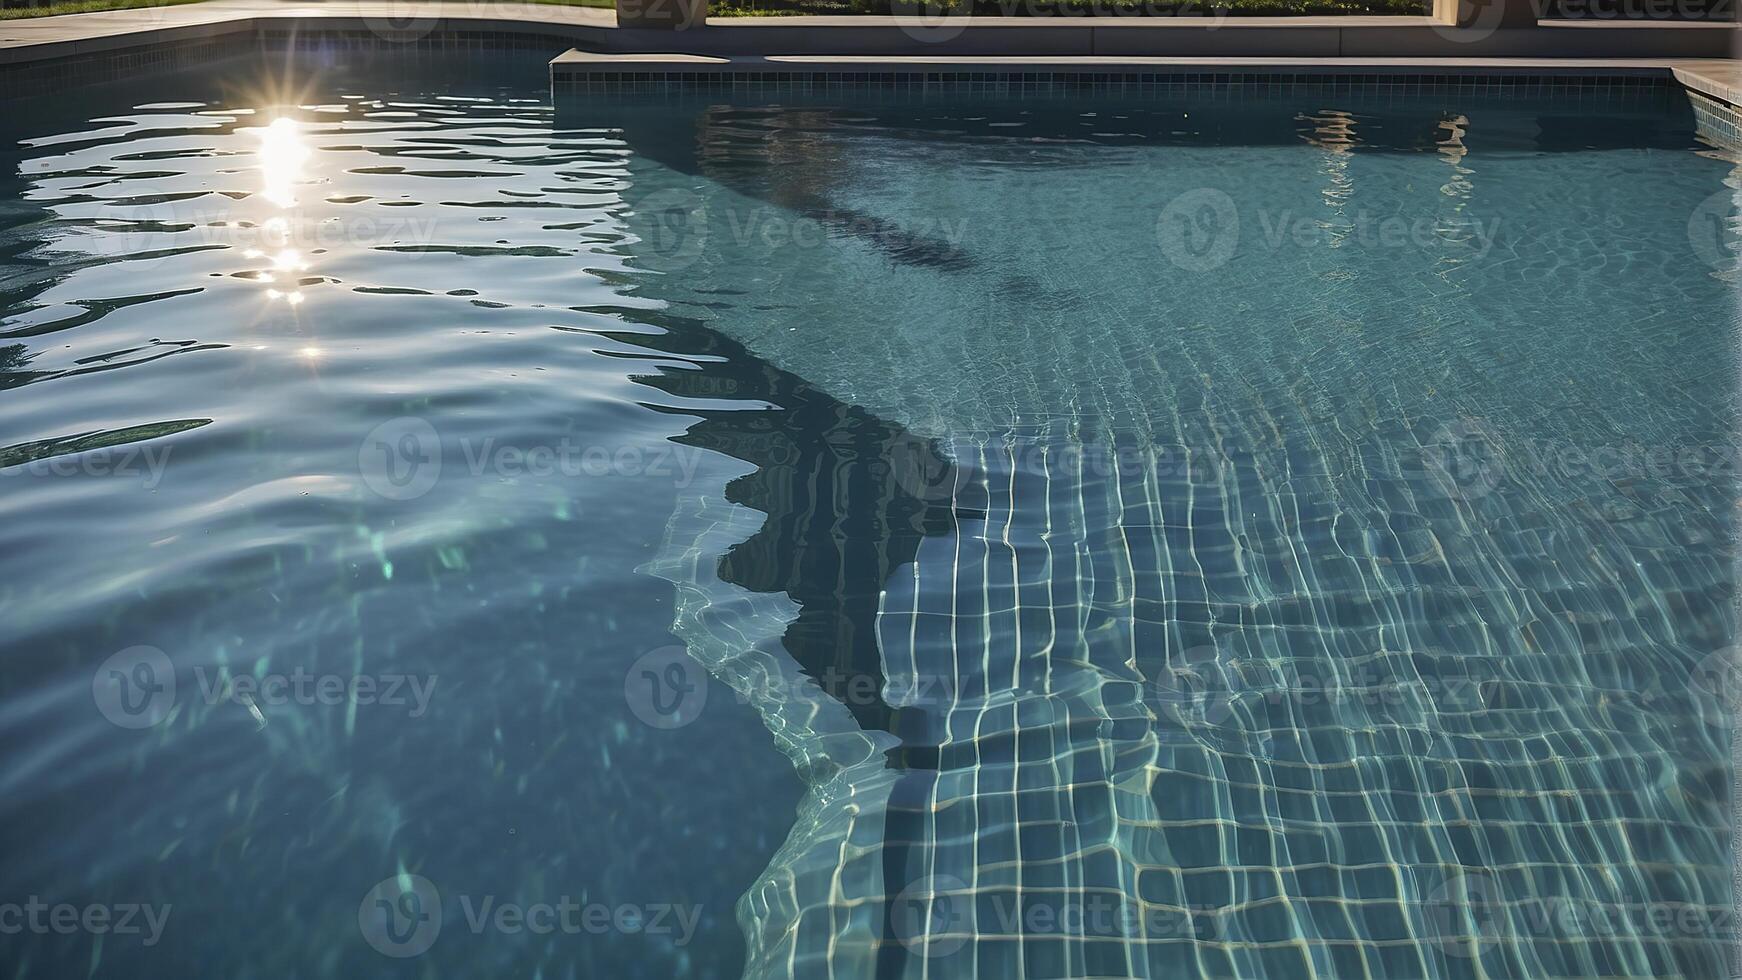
44, 55
30, 40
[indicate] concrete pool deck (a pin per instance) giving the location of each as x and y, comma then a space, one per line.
1699, 55
33, 39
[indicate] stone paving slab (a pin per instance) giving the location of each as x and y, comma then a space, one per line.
1720, 79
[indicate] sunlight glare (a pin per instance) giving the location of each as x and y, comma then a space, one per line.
281, 157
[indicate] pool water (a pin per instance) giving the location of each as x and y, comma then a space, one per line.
448, 533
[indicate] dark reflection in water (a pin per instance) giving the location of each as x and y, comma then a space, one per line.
86, 441
14, 358
839, 519
765, 150
791, 158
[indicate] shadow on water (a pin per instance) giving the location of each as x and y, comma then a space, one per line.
849, 496
840, 521
841, 518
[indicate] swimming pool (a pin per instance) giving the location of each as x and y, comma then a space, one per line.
445, 533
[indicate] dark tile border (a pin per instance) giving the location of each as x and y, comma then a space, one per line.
1228, 86
50, 76
41, 78
1717, 120
407, 40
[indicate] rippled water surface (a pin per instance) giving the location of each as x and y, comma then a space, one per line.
444, 533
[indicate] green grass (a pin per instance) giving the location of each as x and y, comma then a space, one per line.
53, 7
80, 7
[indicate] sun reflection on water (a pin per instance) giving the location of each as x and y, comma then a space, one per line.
283, 153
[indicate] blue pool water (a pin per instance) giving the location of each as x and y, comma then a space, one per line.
448, 534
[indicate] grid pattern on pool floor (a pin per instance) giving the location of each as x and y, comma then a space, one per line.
1147, 692
1138, 713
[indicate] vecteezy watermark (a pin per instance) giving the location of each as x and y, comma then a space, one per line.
1204, 689
1463, 459
147, 234
1196, 689
41, 918
674, 226
300, 687
1472, 20
1469, 458
937, 915
141, 230
921, 468
1464, 914
1210, 12
405, 21
135, 687
666, 688
138, 688
289, 233
1284, 228
1713, 11
933, 916
1477, 20
939, 21
403, 916
1718, 676
773, 228
680, 15
402, 458
1715, 230
1716, 11
1471, 910
1201, 230
143, 462
932, 21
